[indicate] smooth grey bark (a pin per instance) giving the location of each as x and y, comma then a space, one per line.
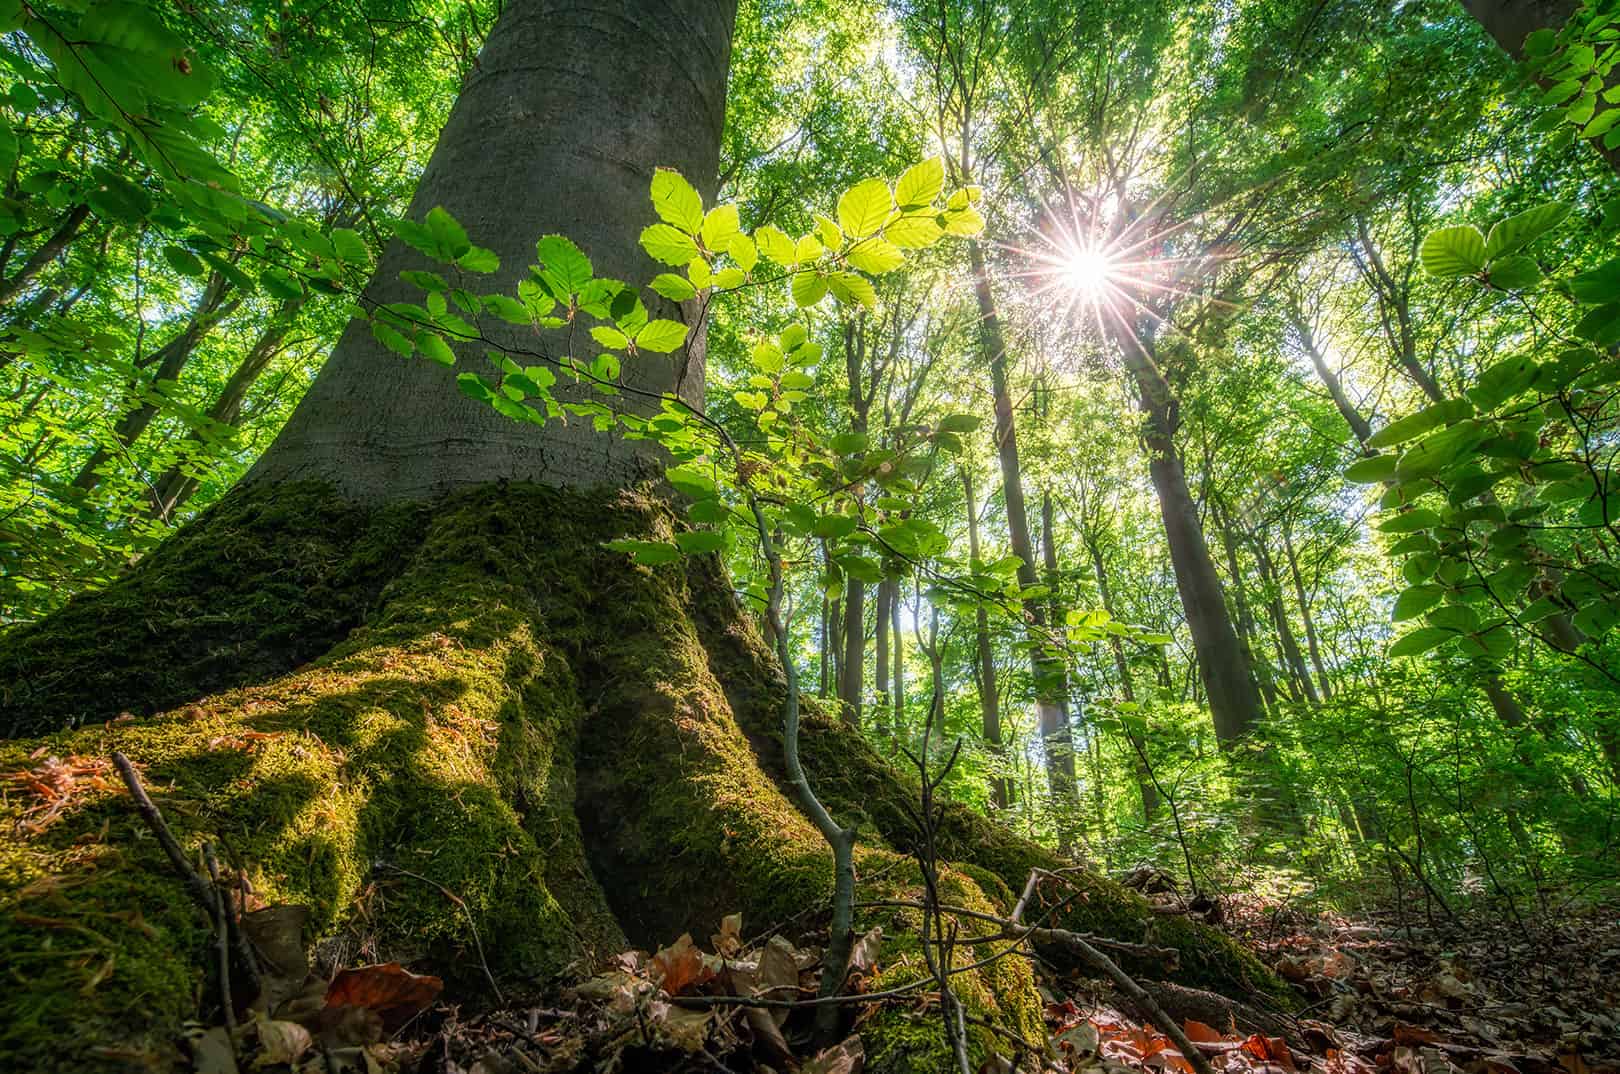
48, 251
852, 670
570, 109
1313, 645
1234, 702
880, 672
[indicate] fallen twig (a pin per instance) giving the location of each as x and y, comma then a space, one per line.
199, 889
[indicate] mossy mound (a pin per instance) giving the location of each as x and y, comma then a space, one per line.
514, 713
257, 586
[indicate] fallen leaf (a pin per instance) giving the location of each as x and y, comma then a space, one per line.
728, 941
1199, 1033
281, 1042
392, 992
682, 966
778, 975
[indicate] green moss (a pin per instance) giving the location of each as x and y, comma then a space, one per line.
504, 709
260, 584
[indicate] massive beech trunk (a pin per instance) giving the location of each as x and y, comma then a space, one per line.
397, 676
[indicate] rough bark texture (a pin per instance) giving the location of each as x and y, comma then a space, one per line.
558, 130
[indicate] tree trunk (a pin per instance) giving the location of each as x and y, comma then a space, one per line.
1144, 779
171, 359
176, 486
852, 670
1234, 702
1047, 671
880, 645
984, 662
1305, 615
410, 689
1287, 643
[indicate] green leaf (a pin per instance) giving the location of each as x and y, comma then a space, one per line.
647, 553
876, 256
475, 387
1515, 273
507, 308
1425, 420
434, 348
850, 443
864, 207
914, 232
697, 542
1417, 600
673, 287
479, 259
808, 289
392, 339
1440, 449
775, 244
1411, 521
668, 244
920, 184
427, 281
1501, 382
1372, 470
676, 201
832, 527
744, 252
1516, 232
964, 223
183, 261
960, 423
280, 284
1453, 251
448, 234
852, 288
350, 246
1599, 285
661, 336
566, 262
720, 226
608, 336
1420, 641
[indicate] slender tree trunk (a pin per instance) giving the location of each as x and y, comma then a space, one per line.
48, 251
171, 360
1287, 643
1047, 671
176, 486
880, 630
1244, 624
897, 673
1001, 786
1144, 779
1305, 615
1233, 700
852, 671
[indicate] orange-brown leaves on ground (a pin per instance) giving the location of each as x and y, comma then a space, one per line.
392, 992
54, 783
682, 966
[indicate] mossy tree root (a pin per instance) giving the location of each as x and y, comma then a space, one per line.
515, 715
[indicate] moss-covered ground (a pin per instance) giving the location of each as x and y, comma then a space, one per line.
374, 707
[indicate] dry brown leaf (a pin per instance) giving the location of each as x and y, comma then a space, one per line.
778, 975
682, 966
1199, 1033
392, 992
728, 941
281, 1043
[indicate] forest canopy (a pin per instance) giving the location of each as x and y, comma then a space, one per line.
1177, 438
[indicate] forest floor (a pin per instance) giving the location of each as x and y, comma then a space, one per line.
1382, 993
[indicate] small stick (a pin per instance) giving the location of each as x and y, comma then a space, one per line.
1126, 984
222, 938
198, 888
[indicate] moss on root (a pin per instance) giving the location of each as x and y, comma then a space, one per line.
497, 704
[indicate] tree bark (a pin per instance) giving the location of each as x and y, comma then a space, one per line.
1050, 703
555, 131
852, 670
1234, 702
1144, 779
984, 661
